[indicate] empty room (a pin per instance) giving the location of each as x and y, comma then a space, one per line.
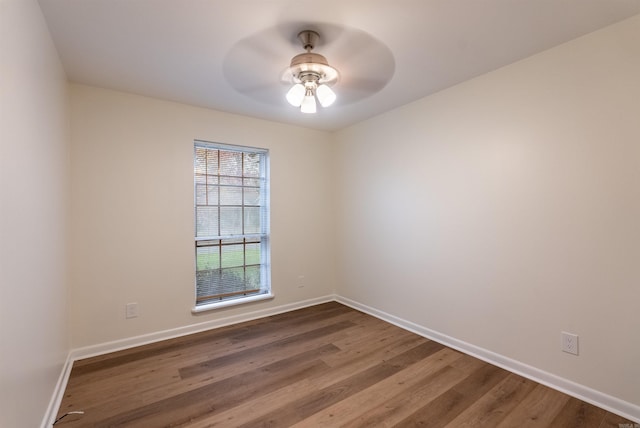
342, 214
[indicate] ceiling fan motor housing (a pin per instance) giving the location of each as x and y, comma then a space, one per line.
312, 66
309, 66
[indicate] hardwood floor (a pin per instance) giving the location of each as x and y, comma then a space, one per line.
323, 366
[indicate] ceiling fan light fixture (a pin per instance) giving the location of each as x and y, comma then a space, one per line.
325, 95
308, 102
311, 75
296, 95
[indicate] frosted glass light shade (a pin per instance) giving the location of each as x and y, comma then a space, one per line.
308, 104
325, 95
296, 95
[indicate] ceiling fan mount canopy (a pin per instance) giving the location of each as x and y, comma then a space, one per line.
309, 39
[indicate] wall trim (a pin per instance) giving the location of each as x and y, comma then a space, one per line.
58, 393
145, 339
615, 405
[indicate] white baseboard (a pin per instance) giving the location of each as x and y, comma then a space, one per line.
615, 405
58, 393
119, 345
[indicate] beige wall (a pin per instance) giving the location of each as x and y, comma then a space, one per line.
34, 184
506, 209
133, 220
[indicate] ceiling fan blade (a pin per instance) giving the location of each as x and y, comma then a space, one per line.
364, 85
365, 64
255, 65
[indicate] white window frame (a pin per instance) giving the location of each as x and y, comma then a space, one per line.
206, 239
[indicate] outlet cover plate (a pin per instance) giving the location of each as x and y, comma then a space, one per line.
131, 310
570, 343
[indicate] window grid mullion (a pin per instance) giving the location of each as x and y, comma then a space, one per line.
219, 214
244, 247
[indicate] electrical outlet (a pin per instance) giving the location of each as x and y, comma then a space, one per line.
131, 310
301, 281
570, 343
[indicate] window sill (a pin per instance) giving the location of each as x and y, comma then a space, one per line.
234, 302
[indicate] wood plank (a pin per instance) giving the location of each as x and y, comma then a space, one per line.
341, 369
614, 421
538, 409
578, 414
454, 401
400, 402
496, 404
258, 360
318, 400
247, 356
222, 394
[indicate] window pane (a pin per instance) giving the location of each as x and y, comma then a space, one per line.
232, 280
206, 221
232, 255
208, 258
219, 283
212, 162
252, 254
230, 163
201, 194
230, 221
251, 220
231, 181
253, 182
251, 165
251, 196
252, 277
208, 283
230, 195
200, 161
212, 195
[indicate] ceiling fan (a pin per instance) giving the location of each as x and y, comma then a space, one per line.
312, 76
254, 65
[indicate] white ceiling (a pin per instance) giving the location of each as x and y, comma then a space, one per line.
228, 55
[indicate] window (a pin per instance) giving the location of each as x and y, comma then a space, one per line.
232, 224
